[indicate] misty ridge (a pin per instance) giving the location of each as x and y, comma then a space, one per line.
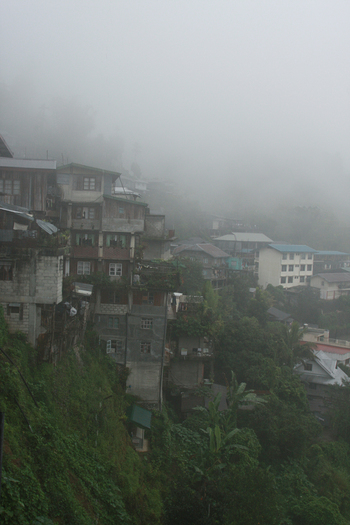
305, 211
242, 110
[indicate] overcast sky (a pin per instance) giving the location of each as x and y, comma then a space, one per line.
236, 94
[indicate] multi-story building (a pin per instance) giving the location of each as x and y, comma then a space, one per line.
244, 248
130, 298
285, 265
212, 258
330, 260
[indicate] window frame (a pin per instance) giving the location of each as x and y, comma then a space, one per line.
145, 347
117, 268
146, 323
84, 265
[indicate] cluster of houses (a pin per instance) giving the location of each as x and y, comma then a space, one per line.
79, 226
78, 229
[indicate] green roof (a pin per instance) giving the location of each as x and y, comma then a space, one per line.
140, 416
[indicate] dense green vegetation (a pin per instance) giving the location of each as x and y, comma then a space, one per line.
264, 459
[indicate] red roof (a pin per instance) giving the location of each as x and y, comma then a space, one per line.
332, 349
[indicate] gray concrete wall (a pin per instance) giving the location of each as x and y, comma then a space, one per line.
186, 373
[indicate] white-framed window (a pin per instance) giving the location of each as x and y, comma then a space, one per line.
302, 278
302, 256
113, 322
89, 184
83, 268
115, 269
291, 256
290, 279
146, 324
145, 347
284, 267
309, 267
283, 280
302, 267
114, 346
309, 255
284, 256
291, 268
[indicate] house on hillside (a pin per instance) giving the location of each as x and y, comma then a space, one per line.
331, 285
318, 375
31, 271
244, 248
286, 265
130, 312
278, 316
212, 258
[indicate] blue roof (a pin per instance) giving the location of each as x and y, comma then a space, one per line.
296, 248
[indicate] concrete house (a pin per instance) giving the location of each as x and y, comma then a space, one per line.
286, 265
244, 248
31, 270
317, 375
130, 314
331, 285
212, 258
330, 260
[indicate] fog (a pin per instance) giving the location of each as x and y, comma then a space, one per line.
244, 104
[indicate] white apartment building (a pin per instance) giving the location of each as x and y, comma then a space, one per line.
285, 265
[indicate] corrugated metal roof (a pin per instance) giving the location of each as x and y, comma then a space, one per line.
90, 168
28, 164
139, 203
83, 288
244, 237
210, 249
18, 210
140, 416
47, 227
334, 277
290, 248
4, 149
327, 252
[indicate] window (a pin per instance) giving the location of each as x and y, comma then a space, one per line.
284, 256
86, 213
291, 268
309, 267
116, 240
6, 271
85, 239
89, 184
291, 256
10, 187
145, 347
146, 324
113, 322
302, 279
302, 267
114, 346
15, 310
283, 280
309, 256
121, 211
302, 256
115, 269
308, 367
290, 279
83, 268
284, 267
109, 296
205, 260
